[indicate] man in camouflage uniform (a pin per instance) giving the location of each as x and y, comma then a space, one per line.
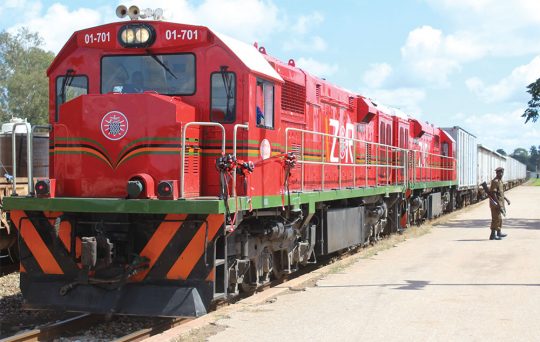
497, 189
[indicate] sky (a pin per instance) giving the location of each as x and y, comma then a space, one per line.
460, 63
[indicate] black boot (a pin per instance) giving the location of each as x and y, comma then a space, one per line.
494, 236
500, 235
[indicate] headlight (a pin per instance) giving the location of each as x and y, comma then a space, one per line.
142, 35
128, 36
137, 35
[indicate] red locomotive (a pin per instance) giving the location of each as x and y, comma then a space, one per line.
186, 166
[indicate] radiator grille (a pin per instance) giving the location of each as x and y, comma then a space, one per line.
293, 97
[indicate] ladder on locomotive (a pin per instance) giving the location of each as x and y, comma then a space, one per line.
220, 270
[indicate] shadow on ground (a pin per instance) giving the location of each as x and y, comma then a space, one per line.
422, 284
511, 223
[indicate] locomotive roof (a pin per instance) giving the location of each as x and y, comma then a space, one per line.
391, 111
250, 56
246, 53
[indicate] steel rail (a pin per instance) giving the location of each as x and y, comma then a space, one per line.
50, 331
156, 329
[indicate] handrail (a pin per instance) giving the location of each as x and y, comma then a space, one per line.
388, 148
14, 153
447, 161
184, 130
235, 132
31, 157
380, 151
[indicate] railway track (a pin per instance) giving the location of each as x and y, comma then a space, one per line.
50, 331
78, 324
157, 329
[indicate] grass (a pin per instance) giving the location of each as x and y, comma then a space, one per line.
536, 182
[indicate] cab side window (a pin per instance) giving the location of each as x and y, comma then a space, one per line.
223, 97
264, 104
69, 87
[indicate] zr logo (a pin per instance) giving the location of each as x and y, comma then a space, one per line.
346, 134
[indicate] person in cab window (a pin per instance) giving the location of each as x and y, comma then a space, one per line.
117, 79
259, 101
185, 78
136, 85
260, 117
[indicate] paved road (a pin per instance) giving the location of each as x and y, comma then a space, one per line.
451, 284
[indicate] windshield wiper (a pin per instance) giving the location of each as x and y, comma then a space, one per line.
227, 84
68, 78
154, 57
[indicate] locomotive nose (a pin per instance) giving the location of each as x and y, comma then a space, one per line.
128, 141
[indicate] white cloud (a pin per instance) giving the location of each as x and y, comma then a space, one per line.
317, 68
504, 130
246, 20
508, 87
305, 22
377, 74
431, 56
314, 43
495, 27
58, 23
482, 29
300, 40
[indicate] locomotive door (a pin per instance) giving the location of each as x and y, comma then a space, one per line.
384, 153
401, 140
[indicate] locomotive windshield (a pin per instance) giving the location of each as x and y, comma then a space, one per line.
165, 74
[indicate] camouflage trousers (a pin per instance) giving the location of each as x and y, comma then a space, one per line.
496, 218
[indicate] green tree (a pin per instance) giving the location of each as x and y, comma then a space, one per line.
534, 158
24, 90
501, 151
520, 154
531, 113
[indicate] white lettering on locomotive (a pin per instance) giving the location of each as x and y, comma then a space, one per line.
97, 37
422, 158
181, 35
335, 125
346, 134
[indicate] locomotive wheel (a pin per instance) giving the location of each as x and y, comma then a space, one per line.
277, 267
14, 253
248, 288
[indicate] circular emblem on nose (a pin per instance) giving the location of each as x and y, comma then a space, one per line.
114, 125
265, 149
